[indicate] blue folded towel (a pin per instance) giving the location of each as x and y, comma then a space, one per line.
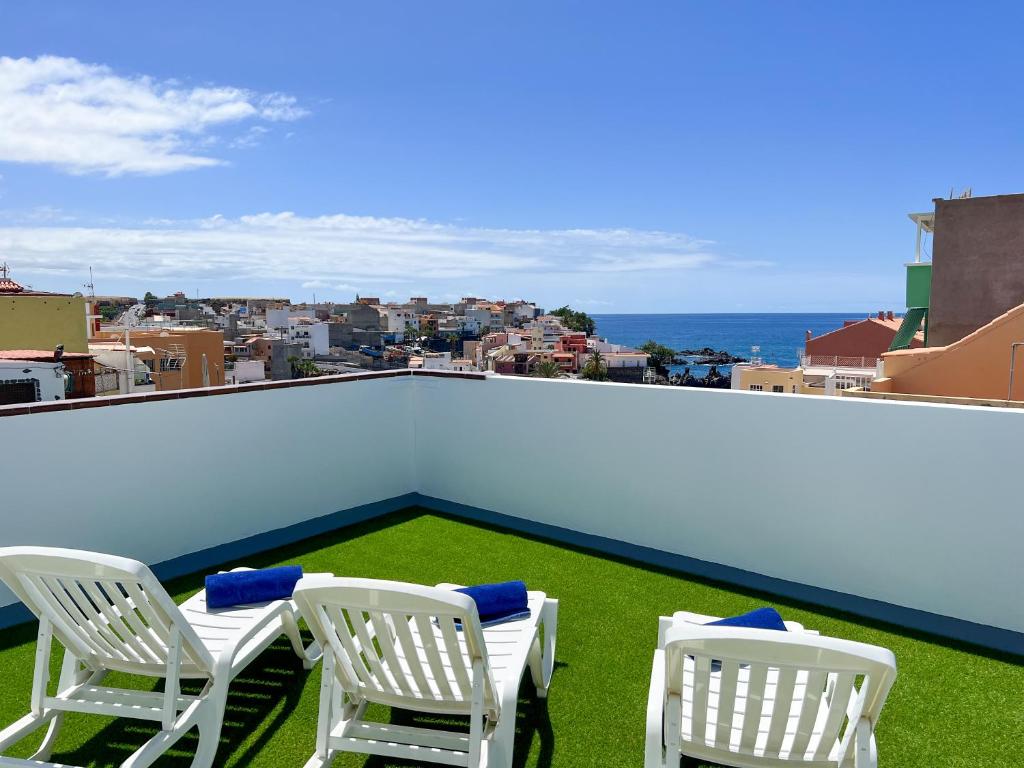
243, 587
499, 602
760, 618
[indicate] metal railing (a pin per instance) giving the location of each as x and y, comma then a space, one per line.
837, 361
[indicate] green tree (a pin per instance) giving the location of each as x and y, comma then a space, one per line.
576, 321
303, 368
548, 369
595, 369
150, 300
661, 356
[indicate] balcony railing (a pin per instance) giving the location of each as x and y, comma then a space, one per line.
836, 361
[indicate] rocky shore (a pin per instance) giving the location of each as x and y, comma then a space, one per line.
706, 356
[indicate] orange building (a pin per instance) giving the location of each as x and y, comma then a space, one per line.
976, 366
181, 358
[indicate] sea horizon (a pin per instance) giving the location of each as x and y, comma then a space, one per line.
774, 337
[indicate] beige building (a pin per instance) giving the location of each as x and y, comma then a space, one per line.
178, 358
771, 378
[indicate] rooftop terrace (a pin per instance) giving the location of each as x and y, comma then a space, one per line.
951, 706
795, 501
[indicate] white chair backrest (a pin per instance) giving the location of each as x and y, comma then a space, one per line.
777, 695
398, 643
111, 612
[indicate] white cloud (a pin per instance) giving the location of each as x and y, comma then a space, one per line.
84, 118
341, 251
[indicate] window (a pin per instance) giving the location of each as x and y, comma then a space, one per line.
756, 388
778, 388
19, 391
170, 364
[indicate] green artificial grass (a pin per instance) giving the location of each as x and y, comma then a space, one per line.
951, 706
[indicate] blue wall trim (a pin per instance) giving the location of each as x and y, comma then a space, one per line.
1003, 640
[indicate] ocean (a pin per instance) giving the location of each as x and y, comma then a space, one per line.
780, 336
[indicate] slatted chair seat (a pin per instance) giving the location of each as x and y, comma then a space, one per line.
422, 649
111, 614
753, 697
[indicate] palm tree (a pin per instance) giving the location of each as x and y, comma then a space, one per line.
548, 369
595, 369
303, 368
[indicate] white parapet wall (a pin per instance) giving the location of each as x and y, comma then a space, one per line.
158, 480
914, 505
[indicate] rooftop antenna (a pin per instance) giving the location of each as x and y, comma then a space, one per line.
89, 285
5, 271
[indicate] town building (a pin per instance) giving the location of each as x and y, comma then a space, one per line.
858, 343
31, 319
311, 335
176, 357
27, 381
76, 369
987, 364
967, 302
244, 371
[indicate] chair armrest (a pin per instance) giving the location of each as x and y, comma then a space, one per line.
653, 745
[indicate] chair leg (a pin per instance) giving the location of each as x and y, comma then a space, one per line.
542, 659
148, 753
18, 730
70, 674
311, 655
210, 723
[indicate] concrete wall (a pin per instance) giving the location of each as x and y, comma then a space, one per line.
976, 366
977, 264
767, 483
43, 322
291, 454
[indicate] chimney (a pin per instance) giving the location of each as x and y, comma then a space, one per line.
881, 315
808, 336
889, 315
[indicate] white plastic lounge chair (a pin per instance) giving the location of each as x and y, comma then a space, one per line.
398, 644
111, 614
757, 697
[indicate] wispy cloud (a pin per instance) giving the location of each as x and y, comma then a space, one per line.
341, 251
84, 118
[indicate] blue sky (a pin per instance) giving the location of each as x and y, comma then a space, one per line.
627, 157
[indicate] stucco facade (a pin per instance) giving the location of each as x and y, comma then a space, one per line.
42, 321
976, 366
177, 359
977, 264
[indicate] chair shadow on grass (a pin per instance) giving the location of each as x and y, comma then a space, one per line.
532, 723
274, 679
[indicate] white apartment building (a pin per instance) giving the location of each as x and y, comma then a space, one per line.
277, 319
312, 336
396, 318
441, 361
